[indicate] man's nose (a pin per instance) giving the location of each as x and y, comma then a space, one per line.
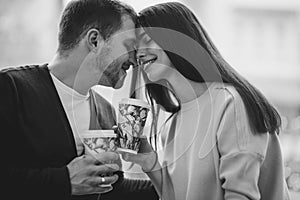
140, 53
141, 56
132, 58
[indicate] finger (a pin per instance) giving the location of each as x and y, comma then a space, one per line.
105, 181
108, 180
105, 157
111, 179
104, 169
101, 189
119, 163
88, 159
135, 158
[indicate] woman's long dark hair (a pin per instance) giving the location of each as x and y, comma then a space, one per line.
174, 16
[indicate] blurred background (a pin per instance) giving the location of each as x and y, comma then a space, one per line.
259, 38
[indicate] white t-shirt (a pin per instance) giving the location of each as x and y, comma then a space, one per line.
77, 108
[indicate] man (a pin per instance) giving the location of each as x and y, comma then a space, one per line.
43, 109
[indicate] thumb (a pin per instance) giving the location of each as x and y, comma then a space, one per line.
134, 158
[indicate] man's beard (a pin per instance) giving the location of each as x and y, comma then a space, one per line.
110, 76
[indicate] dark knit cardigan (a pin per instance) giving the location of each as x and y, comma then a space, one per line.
38, 143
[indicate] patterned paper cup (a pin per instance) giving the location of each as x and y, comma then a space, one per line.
132, 115
97, 141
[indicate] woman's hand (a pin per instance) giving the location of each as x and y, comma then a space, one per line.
148, 160
146, 157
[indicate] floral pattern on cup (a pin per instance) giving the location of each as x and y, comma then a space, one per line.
100, 144
131, 122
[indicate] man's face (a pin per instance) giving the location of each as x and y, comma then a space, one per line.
118, 54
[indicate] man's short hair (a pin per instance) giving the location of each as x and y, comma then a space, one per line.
79, 16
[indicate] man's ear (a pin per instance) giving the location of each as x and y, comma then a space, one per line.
94, 39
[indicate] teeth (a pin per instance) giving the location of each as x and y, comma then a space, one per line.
148, 62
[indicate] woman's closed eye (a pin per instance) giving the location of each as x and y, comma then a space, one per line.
148, 40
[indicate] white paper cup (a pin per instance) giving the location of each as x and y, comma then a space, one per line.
97, 141
132, 115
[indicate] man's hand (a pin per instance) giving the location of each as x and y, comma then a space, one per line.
90, 175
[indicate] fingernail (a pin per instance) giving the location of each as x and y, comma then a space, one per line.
116, 167
116, 177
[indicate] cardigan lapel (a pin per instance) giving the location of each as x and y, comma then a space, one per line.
64, 126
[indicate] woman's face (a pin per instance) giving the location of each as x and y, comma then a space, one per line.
154, 60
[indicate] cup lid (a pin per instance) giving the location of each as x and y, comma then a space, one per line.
136, 102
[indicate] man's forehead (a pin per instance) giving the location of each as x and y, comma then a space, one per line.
128, 36
127, 30
127, 23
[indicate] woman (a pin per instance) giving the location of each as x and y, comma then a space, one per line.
221, 139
